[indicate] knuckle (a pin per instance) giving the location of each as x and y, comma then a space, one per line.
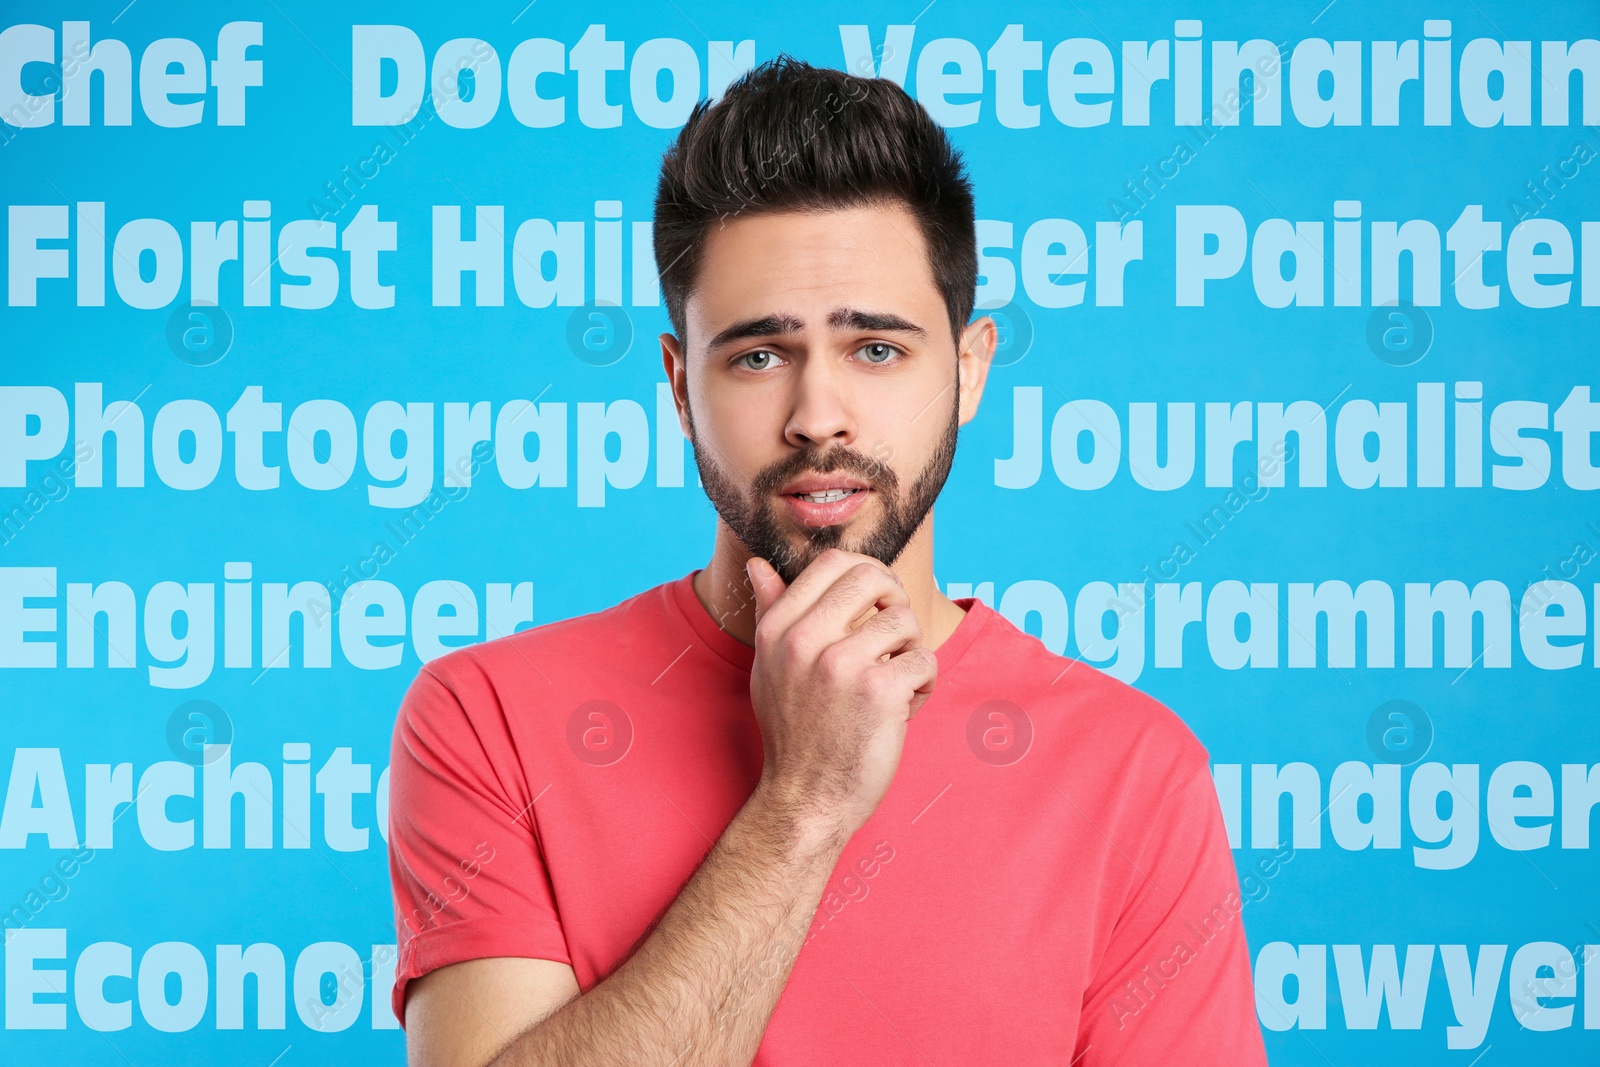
833, 663
792, 654
899, 618
878, 685
866, 571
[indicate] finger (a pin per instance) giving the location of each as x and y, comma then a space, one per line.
916, 670
917, 700
765, 582
855, 596
811, 584
889, 633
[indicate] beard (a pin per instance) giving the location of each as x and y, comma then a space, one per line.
768, 532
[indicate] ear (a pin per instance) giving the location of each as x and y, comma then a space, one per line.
976, 355
672, 361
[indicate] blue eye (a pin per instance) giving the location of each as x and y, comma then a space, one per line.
756, 355
888, 351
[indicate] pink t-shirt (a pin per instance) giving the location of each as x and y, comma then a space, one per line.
1048, 879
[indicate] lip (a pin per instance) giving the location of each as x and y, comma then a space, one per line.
815, 483
808, 513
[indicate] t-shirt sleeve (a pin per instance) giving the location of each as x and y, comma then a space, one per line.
465, 864
1174, 983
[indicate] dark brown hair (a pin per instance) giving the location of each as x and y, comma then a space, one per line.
788, 136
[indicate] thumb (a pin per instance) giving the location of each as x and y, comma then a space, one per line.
766, 583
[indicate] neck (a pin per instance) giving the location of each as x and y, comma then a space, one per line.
724, 589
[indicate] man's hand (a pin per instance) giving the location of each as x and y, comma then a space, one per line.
839, 671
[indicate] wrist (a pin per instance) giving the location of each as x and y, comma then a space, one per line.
801, 829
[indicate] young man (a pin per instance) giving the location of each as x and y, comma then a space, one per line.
797, 806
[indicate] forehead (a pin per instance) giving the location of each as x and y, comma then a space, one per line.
804, 263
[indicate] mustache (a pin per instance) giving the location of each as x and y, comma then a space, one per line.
836, 460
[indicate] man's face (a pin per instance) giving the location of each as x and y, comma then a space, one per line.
819, 358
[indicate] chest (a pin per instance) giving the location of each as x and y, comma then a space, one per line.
977, 891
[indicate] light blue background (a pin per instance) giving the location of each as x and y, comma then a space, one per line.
299, 135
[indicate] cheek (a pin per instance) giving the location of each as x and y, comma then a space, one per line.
901, 435
740, 420
926, 389
743, 434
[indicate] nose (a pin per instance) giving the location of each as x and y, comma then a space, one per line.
822, 411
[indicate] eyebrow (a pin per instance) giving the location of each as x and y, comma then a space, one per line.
839, 319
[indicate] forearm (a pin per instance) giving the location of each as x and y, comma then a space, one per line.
702, 987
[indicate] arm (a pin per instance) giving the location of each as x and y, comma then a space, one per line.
699, 990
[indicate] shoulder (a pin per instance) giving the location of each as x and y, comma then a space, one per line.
1096, 718
486, 682
559, 649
